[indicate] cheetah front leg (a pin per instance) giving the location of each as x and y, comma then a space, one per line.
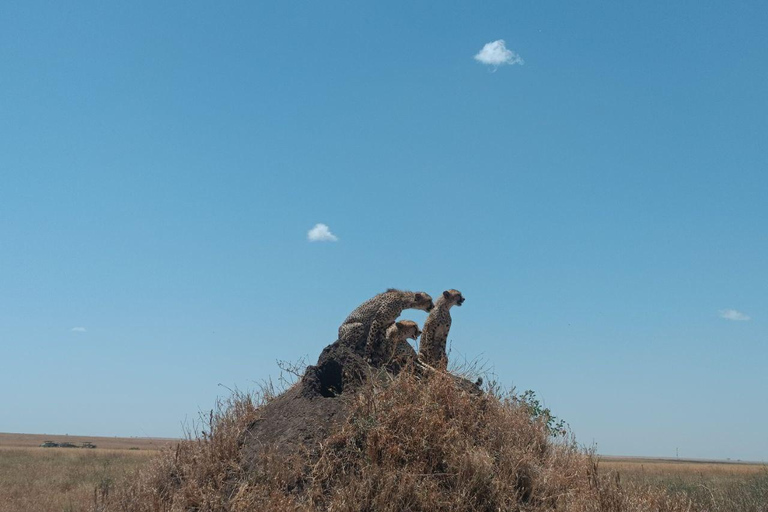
376, 336
382, 320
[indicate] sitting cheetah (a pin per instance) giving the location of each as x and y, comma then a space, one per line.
400, 352
436, 327
400, 331
365, 328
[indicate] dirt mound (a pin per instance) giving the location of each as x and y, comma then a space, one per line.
316, 406
353, 437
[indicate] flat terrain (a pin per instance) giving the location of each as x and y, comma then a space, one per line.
38, 479
650, 469
731, 486
113, 443
680, 466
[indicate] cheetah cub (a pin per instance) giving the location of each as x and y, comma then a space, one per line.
435, 335
397, 345
400, 331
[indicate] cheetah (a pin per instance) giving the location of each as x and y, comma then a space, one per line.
436, 327
400, 352
400, 331
365, 328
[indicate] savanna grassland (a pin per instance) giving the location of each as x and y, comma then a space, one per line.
712, 485
423, 444
66, 479
80, 480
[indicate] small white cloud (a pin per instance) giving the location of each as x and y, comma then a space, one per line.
496, 54
78, 329
732, 314
321, 233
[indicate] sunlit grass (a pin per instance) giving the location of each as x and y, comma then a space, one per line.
61, 479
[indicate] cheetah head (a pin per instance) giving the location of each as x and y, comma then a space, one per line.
409, 328
453, 297
423, 301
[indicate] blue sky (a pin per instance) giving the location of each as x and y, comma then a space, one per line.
600, 205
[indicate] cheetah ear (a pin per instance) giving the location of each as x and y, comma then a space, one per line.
446, 294
419, 296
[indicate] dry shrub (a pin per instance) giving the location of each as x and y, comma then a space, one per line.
409, 444
198, 473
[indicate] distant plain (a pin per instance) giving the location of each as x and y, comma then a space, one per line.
75, 479
67, 479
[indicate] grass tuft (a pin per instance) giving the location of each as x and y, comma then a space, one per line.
417, 444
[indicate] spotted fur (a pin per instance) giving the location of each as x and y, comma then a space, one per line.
397, 346
436, 328
400, 331
366, 326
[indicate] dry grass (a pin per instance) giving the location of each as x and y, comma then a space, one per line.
112, 443
62, 479
666, 469
714, 486
409, 445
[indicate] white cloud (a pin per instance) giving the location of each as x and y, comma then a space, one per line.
78, 329
496, 54
321, 233
732, 314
